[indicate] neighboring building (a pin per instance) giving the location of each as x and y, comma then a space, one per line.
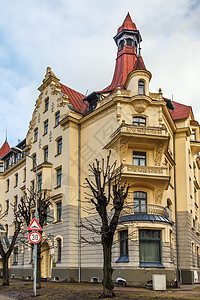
156, 139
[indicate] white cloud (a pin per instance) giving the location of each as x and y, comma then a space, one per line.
75, 38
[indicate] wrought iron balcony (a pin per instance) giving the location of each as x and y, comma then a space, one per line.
146, 212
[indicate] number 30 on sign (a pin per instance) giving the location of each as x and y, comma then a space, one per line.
34, 237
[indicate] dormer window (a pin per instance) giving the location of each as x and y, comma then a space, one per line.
129, 42
141, 87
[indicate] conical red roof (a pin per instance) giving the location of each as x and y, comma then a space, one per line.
139, 65
4, 149
127, 24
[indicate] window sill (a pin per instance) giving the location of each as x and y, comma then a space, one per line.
56, 125
57, 187
57, 154
34, 141
58, 261
151, 265
45, 134
123, 258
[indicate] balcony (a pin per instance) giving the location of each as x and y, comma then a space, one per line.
146, 212
140, 130
146, 170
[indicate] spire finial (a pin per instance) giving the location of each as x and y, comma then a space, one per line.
6, 136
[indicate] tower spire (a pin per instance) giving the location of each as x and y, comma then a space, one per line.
127, 40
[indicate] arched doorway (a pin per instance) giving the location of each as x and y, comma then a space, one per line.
45, 261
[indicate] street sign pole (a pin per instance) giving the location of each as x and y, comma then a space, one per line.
35, 246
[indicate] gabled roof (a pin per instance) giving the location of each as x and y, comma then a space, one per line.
75, 99
180, 111
4, 149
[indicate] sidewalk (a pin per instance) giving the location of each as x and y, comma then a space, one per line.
5, 298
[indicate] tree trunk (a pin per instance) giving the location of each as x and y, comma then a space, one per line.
107, 269
5, 278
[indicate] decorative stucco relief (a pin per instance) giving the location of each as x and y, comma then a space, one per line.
159, 193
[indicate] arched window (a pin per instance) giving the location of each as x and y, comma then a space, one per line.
59, 251
141, 87
140, 202
121, 44
129, 42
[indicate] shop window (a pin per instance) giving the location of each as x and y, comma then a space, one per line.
150, 247
140, 202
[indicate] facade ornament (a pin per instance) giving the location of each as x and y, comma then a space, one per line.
118, 112
40, 143
52, 107
39, 118
159, 193
62, 101
140, 105
50, 136
159, 149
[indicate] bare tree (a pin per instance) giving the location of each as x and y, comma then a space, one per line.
22, 215
107, 190
7, 245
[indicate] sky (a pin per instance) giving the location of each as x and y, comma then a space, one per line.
75, 39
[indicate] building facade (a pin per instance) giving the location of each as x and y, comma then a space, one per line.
156, 140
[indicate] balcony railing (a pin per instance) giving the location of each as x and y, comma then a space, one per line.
144, 130
150, 170
150, 209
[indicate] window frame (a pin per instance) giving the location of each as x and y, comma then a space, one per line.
59, 177
139, 121
59, 211
141, 87
59, 146
35, 134
46, 153
15, 255
46, 104
46, 125
144, 243
57, 118
140, 208
139, 158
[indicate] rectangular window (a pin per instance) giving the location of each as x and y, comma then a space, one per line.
140, 202
46, 152
57, 118
1, 167
46, 127
123, 235
39, 182
35, 134
137, 121
59, 211
24, 175
7, 206
193, 134
139, 158
7, 185
15, 256
16, 180
198, 257
150, 246
15, 202
59, 250
59, 146
59, 177
34, 160
46, 104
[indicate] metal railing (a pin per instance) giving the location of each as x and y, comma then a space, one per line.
147, 209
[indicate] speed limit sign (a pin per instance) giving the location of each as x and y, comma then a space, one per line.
34, 237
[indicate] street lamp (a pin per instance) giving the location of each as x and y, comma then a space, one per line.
18, 150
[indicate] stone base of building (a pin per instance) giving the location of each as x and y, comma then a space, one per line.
135, 277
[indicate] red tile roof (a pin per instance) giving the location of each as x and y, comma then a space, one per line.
75, 99
4, 149
180, 111
127, 24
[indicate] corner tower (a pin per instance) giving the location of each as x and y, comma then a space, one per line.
128, 40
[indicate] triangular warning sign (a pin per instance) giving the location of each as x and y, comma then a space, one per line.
34, 225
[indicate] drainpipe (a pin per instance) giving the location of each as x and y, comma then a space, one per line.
176, 218
79, 203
